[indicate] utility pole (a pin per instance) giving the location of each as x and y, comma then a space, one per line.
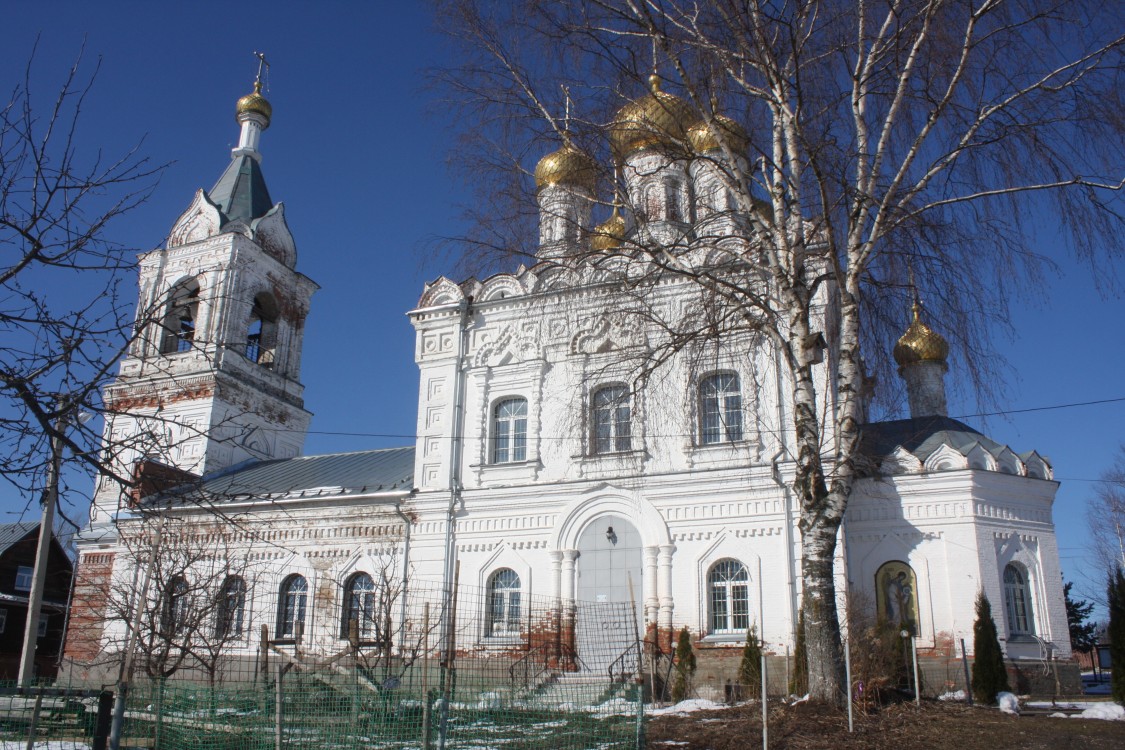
42, 555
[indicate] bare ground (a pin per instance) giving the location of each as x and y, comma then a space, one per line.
933, 725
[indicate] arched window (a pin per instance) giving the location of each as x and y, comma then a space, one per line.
728, 585
612, 431
720, 409
509, 431
504, 603
174, 613
359, 607
179, 320
896, 599
291, 602
1017, 601
232, 608
654, 202
261, 335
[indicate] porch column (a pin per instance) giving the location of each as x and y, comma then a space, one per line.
664, 561
652, 600
567, 575
556, 573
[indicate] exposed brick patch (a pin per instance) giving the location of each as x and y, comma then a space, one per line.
88, 607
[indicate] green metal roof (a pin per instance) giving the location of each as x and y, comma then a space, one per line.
241, 191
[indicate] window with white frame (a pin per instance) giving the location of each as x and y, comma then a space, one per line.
720, 409
1017, 601
728, 586
44, 621
509, 431
612, 430
24, 575
292, 601
359, 607
504, 603
232, 608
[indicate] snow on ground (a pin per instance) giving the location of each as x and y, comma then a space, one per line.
1090, 709
50, 745
686, 707
958, 695
1009, 703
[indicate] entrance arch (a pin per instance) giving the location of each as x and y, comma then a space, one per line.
608, 576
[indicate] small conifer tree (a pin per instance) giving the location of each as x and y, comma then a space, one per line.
1116, 633
685, 667
750, 668
989, 675
799, 677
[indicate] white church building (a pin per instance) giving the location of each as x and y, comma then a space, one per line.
543, 465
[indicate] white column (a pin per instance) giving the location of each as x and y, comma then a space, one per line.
664, 562
556, 572
652, 600
568, 558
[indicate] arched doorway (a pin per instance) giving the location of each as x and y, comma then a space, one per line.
610, 558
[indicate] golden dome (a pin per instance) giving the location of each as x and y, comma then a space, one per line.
703, 138
609, 234
658, 119
254, 102
567, 166
920, 343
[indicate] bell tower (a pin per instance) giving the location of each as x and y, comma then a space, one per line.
212, 378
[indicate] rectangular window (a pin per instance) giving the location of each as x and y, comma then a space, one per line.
23, 578
612, 432
3, 619
43, 619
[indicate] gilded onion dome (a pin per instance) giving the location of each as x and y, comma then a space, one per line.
702, 135
567, 166
254, 102
920, 343
609, 234
658, 119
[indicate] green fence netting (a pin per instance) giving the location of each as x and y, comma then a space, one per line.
548, 675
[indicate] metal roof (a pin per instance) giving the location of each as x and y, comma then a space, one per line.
333, 474
10, 533
241, 190
925, 435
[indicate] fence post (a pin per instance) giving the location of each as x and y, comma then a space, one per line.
427, 699
965, 664
279, 709
34, 719
101, 724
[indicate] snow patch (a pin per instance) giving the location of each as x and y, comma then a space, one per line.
1107, 711
1009, 703
687, 707
957, 695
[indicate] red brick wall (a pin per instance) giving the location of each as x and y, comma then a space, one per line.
88, 607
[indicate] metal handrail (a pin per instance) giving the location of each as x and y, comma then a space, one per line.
623, 675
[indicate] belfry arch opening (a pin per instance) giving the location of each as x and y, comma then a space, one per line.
180, 320
261, 332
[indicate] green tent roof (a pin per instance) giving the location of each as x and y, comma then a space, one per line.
241, 191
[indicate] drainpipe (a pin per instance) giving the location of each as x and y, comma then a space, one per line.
456, 446
787, 495
405, 575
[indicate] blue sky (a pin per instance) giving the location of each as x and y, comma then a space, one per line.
358, 150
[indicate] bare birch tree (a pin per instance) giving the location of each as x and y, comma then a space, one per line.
973, 142
1105, 516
